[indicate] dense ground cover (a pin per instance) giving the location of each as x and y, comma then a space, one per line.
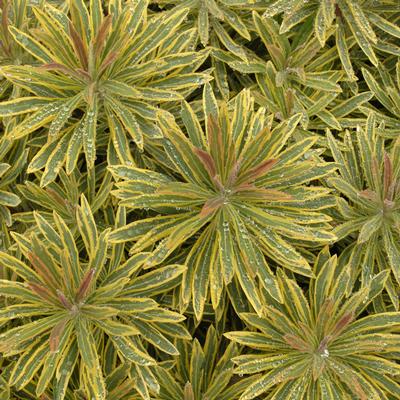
200, 200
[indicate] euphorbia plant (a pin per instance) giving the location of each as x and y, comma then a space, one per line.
320, 345
240, 189
369, 180
97, 70
202, 372
372, 25
172, 169
68, 303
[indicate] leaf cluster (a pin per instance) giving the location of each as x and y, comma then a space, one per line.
199, 200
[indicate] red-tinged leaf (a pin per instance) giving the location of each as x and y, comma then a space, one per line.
276, 54
42, 270
360, 391
325, 311
60, 67
233, 174
388, 203
342, 324
214, 132
85, 285
259, 170
55, 335
296, 343
52, 193
79, 46
91, 94
207, 161
63, 300
245, 187
323, 344
338, 11
41, 291
375, 170
107, 61
55, 66
83, 73
102, 35
211, 206
217, 180
369, 194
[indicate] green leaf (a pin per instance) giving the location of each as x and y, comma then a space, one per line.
28, 364
89, 131
153, 336
116, 328
22, 105
86, 343
9, 199
87, 226
369, 228
129, 121
64, 114
129, 351
31, 45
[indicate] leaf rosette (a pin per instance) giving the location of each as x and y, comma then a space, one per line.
241, 193
321, 344
67, 304
94, 70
